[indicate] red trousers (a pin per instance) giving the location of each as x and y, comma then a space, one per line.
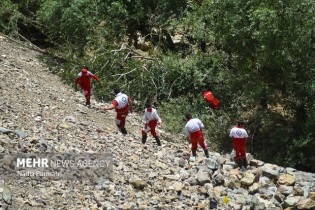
87, 92
197, 137
240, 149
150, 127
121, 119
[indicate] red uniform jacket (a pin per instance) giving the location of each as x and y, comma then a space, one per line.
84, 80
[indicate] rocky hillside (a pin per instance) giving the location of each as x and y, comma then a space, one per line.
40, 114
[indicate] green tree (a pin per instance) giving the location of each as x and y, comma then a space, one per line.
10, 16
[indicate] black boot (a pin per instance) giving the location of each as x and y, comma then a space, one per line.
239, 162
123, 130
206, 153
245, 163
157, 140
194, 153
144, 138
193, 157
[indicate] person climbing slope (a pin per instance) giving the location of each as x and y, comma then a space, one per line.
151, 119
122, 105
83, 78
193, 130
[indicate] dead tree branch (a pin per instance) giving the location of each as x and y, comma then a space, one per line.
30, 45
132, 53
123, 74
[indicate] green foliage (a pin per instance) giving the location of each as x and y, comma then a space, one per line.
178, 108
9, 17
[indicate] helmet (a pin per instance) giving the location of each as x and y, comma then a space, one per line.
84, 71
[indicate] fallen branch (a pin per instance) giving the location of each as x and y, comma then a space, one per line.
123, 47
131, 52
32, 45
124, 74
142, 57
171, 89
29, 46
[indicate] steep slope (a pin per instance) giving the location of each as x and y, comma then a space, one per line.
52, 116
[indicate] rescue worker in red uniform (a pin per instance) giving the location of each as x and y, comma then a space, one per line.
151, 119
211, 100
239, 136
83, 78
193, 130
122, 105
